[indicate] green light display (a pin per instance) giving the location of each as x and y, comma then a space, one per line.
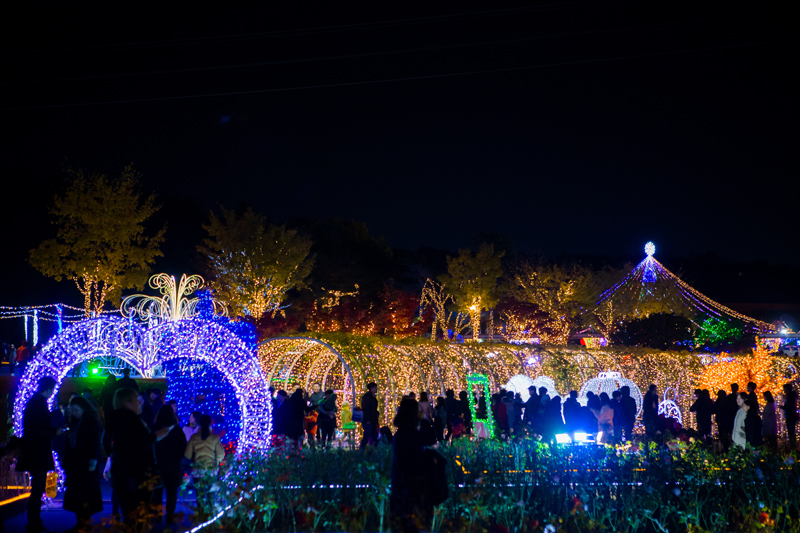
479, 380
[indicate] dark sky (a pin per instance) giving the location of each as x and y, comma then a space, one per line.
571, 127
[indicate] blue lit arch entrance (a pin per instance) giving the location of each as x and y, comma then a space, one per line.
144, 349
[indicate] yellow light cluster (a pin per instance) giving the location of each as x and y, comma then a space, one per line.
398, 369
767, 372
420, 365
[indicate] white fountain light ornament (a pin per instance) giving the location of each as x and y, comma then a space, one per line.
650, 249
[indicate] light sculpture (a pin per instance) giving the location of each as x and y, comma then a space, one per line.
192, 339
482, 382
519, 384
651, 280
547, 383
669, 408
608, 382
174, 304
346, 363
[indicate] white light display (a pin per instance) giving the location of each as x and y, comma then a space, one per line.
669, 408
608, 382
35, 327
650, 248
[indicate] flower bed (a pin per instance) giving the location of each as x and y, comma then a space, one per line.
517, 486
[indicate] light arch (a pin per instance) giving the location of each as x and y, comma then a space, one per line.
397, 367
189, 338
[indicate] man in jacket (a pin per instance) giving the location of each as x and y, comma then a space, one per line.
327, 418
532, 406
572, 413
281, 414
369, 422
37, 449
133, 454
629, 409
127, 381
650, 410
732, 407
619, 415
753, 397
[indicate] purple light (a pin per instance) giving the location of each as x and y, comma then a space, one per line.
190, 338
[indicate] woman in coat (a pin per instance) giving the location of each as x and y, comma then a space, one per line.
753, 426
426, 407
205, 449
409, 501
169, 453
83, 463
440, 419
770, 421
602, 410
739, 435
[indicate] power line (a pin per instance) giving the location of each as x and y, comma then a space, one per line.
341, 56
356, 55
308, 31
392, 80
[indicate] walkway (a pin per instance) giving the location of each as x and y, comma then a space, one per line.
57, 520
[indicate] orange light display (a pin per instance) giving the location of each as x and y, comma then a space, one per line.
766, 371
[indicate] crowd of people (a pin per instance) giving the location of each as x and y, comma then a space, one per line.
17, 357
133, 438
128, 436
740, 418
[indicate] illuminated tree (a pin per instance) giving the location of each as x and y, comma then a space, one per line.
559, 291
100, 243
254, 264
715, 331
433, 297
766, 371
472, 280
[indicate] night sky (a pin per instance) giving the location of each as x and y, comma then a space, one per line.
581, 128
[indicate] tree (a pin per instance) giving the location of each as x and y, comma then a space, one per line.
255, 264
560, 291
664, 331
100, 243
767, 372
472, 280
716, 332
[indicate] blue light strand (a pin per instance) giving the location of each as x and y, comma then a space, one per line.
193, 339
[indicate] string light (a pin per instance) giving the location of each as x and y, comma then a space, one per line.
35, 327
641, 284
481, 381
174, 303
768, 372
346, 363
669, 408
192, 338
608, 382
713, 330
